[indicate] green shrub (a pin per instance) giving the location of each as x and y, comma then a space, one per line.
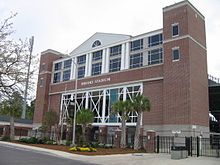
68, 143
6, 138
31, 140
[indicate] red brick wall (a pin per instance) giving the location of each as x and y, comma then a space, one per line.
43, 91
120, 77
185, 90
154, 91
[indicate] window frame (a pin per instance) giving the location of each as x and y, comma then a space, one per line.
178, 29
80, 69
65, 73
159, 60
140, 63
159, 42
95, 58
59, 66
67, 65
99, 72
55, 76
81, 59
118, 68
140, 47
175, 49
117, 52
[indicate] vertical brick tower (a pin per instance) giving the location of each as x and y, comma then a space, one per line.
43, 86
185, 85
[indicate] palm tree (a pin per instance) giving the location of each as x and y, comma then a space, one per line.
84, 117
123, 108
140, 104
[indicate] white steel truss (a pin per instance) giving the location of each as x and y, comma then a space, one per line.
99, 102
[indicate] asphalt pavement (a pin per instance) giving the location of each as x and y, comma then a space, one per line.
13, 155
17, 154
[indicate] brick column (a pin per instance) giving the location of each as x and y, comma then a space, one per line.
150, 144
103, 134
6, 131
117, 139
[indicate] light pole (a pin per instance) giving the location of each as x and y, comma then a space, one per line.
75, 108
31, 43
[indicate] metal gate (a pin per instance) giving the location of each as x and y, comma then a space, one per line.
196, 146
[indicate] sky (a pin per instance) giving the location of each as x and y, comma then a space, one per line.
63, 25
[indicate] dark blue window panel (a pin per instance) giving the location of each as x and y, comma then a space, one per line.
96, 68
58, 66
97, 55
56, 77
175, 30
116, 50
136, 60
81, 72
176, 54
155, 56
155, 40
115, 65
67, 63
136, 45
66, 75
81, 59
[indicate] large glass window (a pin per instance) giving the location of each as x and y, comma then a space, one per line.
96, 68
67, 63
66, 75
115, 65
81, 72
155, 56
175, 29
56, 77
58, 66
136, 60
155, 40
81, 59
97, 55
136, 45
115, 50
175, 54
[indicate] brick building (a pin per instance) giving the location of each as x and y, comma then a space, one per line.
168, 65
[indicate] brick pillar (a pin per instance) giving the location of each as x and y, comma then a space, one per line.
6, 131
103, 134
117, 139
150, 144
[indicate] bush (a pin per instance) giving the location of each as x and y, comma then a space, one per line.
6, 138
83, 149
31, 140
68, 142
49, 142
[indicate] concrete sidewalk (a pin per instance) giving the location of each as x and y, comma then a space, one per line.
122, 159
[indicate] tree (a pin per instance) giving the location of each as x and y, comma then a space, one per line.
140, 104
13, 62
13, 108
30, 110
84, 117
123, 108
50, 119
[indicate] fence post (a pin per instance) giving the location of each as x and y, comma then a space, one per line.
198, 147
158, 144
191, 146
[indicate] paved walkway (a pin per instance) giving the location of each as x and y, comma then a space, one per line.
125, 159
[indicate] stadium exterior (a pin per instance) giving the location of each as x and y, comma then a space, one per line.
167, 65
